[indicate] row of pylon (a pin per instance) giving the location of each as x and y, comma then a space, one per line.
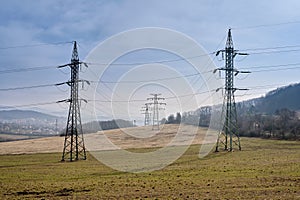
228, 137
153, 111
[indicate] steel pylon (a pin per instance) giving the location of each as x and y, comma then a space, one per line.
74, 148
228, 137
147, 113
155, 110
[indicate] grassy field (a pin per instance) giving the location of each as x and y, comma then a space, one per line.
264, 169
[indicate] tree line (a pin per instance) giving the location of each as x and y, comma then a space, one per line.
200, 117
283, 124
95, 126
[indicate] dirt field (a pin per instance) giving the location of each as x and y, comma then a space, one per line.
126, 138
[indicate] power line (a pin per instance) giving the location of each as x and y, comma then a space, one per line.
271, 66
266, 70
26, 69
109, 101
256, 87
38, 86
33, 104
265, 86
266, 48
212, 53
263, 69
206, 67
193, 94
28, 87
266, 25
117, 101
34, 45
152, 80
142, 100
270, 52
159, 61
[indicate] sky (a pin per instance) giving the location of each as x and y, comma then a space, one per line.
37, 34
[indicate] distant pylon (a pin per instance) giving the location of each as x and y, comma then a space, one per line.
147, 113
229, 135
155, 110
74, 148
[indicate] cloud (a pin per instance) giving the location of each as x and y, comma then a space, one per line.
90, 22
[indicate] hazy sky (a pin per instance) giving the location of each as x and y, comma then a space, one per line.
257, 26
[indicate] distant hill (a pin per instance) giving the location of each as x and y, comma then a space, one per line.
281, 98
284, 97
28, 124
7, 115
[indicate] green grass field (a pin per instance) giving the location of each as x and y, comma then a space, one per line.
264, 169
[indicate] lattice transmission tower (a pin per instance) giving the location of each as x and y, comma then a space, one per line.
146, 111
155, 110
74, 148
229, 135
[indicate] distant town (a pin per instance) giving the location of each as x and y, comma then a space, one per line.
31, 126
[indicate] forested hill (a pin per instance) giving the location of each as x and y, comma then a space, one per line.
287, 97
284, 97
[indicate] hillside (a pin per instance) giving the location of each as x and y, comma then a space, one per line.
7, 115
121, 137
284, 97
